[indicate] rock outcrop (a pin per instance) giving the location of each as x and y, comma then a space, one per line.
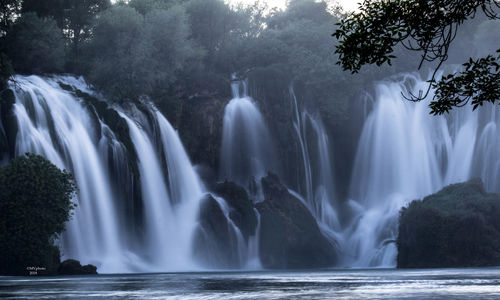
73, 267
242, 210
214, 239
290, 237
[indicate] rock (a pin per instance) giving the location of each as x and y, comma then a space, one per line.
214, 241
290, 237
243, 214
73, 267
8, 123
200, 128
458, 226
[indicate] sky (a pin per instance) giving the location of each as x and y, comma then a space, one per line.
347, 4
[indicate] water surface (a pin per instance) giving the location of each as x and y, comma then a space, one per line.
481, 283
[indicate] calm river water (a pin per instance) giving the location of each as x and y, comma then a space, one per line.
481, 283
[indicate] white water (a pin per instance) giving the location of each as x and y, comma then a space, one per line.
315, 147
247, 153
55, 124
405, 154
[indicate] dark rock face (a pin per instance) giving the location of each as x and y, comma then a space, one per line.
214, 240
200, 128
8, 123
290, 236
458, 226
73, 267
243, 214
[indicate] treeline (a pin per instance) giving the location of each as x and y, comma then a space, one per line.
166, 50
160, 48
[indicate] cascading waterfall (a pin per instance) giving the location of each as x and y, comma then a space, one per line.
247, 153
405, 154
51, 123
54, 123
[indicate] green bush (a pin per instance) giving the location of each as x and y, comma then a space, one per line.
456, 227
35, 203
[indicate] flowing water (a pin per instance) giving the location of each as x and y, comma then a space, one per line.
56, 124
139, 195
247, 153
405, 154
337, 284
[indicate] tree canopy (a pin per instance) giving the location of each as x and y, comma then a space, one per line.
36, 45
429, 27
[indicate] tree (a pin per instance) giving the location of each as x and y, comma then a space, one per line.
8, 11
112, 63
133, 55
35, 203
36, 45
428, 26
74, 17
165, 49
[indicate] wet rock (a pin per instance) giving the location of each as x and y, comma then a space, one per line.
242, 213
458, 226
214, 239
73, 267
290, 237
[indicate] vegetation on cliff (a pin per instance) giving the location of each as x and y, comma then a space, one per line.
456, 227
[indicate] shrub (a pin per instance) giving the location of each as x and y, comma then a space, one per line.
35, 203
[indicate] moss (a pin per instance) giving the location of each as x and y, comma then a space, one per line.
456, 227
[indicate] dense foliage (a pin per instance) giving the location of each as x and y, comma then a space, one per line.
35, 203
429, 27
36, 45
456, 227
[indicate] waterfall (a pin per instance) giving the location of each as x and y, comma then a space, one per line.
138, 203
406, 154
65, 129
320, 195
247, 152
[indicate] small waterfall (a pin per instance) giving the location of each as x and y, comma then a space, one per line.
247, 152
405, 154
253, 261
247, 155
320, 194
68, 131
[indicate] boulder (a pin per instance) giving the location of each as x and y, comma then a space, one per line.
214, 239
73, 267
290, 236
242, 213
458, 226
